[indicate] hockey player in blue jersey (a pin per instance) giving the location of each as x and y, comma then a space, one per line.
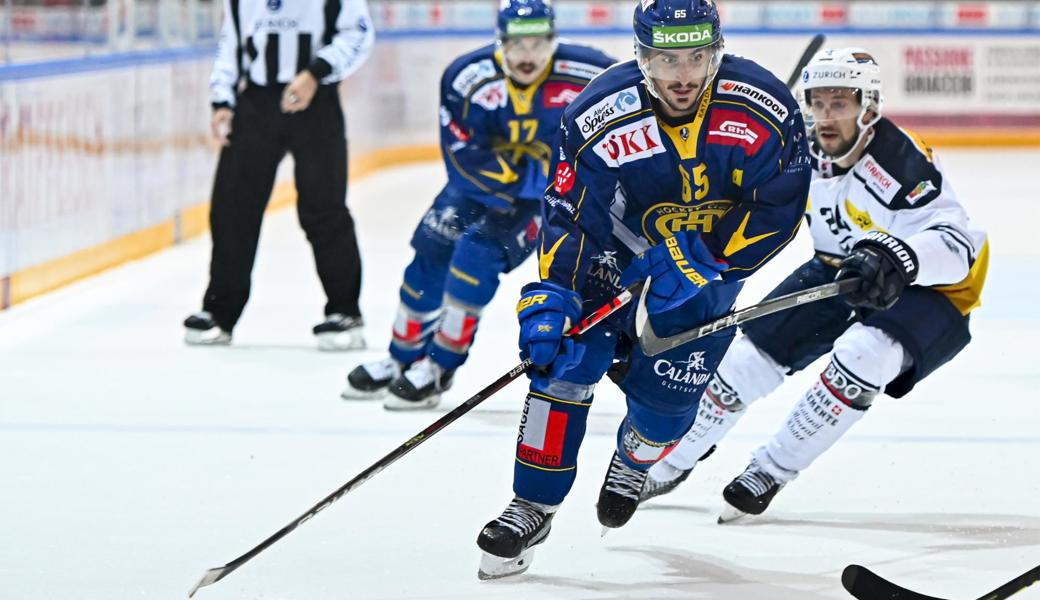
500, 108
881, 209
687, 166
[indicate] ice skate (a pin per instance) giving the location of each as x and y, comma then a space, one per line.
201, 330
371, 380
749, 494
419, 387
339, 332
508, 542
619, 496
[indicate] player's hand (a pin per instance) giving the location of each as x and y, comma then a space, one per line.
546, 311
885, 266
220, 125
679, 268
298, 94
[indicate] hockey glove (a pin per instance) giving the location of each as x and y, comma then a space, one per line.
546, 311
680, 267
885, 266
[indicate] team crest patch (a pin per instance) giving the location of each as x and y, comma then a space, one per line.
666, 219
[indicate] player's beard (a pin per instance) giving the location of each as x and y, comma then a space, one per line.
832, 142
682, 97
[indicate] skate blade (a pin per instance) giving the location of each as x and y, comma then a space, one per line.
392, 402
496, 567
341, 341
603, 531
209, 337
730, 514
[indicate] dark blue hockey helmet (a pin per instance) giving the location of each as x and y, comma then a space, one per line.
679, 47
526, 34
525, 18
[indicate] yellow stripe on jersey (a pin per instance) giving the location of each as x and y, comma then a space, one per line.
918, 143
967, 294
522, 97
545, 259
687, 145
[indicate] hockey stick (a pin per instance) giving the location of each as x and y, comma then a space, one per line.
814, 46
653, 345
864, 584
214, 575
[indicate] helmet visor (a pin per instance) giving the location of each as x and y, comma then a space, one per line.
828, 105
679, 75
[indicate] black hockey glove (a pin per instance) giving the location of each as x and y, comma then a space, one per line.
885, 266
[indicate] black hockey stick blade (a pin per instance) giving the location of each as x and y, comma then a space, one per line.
864, 584
216, 574
653, 345
1014, 586
814, 46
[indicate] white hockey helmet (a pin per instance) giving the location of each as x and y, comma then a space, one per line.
853, 68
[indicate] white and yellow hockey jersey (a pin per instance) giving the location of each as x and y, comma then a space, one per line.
899, 187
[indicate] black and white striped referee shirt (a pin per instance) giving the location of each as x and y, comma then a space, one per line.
270, 41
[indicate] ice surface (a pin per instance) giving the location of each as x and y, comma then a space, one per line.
130, 463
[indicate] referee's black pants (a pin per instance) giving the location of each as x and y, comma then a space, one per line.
261, 134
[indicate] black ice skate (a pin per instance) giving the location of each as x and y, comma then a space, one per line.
749, 494
340, 332
201, 330
653, 487
371, 380
619, 496
508, 542
419, 387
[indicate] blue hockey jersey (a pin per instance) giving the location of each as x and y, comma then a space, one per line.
496, 135
626, 177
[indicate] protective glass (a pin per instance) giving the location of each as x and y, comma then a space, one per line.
682, 65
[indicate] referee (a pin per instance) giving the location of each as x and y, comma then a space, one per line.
273, 91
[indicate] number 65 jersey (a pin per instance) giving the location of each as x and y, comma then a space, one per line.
626, 177
899, 187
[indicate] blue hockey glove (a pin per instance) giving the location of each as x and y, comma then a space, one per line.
546, 311
680, 267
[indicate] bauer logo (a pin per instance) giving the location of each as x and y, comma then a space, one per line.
690, 36
631, 142
612, 107
756, 95
542, 433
